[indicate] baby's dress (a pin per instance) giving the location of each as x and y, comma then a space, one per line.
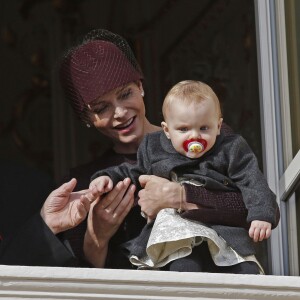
173, 237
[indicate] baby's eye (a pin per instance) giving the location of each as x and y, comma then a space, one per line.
183, 129
204, 128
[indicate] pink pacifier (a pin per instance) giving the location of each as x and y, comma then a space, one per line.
194, 146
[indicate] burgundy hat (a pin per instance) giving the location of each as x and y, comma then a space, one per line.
94, 69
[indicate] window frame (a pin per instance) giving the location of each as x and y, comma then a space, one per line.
276, 128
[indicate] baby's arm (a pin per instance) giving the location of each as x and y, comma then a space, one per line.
102, 184
259, 199
260, 230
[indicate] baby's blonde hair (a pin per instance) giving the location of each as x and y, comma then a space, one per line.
190, 91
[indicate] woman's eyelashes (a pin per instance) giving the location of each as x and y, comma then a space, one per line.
125, 95
98, 110
103, 107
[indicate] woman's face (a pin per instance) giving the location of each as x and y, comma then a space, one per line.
120, 115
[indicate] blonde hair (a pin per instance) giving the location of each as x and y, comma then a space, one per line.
190, 91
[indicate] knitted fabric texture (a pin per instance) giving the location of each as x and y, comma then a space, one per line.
101, 63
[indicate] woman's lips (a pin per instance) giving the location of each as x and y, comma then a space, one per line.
125, 127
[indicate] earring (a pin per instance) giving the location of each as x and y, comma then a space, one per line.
88, 125
142, 93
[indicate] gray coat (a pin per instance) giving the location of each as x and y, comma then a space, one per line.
229, 166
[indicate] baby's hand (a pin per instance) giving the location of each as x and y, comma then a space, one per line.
102, 184
260, 230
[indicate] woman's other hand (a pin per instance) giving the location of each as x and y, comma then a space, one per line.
64, 209
105, 217
159, 193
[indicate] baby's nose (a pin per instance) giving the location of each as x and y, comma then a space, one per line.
195, 134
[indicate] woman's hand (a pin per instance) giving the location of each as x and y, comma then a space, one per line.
63, 209
105, 217
159, 193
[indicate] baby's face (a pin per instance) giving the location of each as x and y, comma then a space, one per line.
192, 128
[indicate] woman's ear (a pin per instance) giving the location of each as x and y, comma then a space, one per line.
165, 128
140, 85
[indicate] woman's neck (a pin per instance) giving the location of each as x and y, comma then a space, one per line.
151, 128
132, 148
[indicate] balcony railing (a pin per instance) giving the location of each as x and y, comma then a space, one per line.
19, 282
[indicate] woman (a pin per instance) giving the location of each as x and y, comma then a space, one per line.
103, 83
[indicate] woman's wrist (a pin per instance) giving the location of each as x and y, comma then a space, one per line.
52, 224
185, 204
175, 196
95, 252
